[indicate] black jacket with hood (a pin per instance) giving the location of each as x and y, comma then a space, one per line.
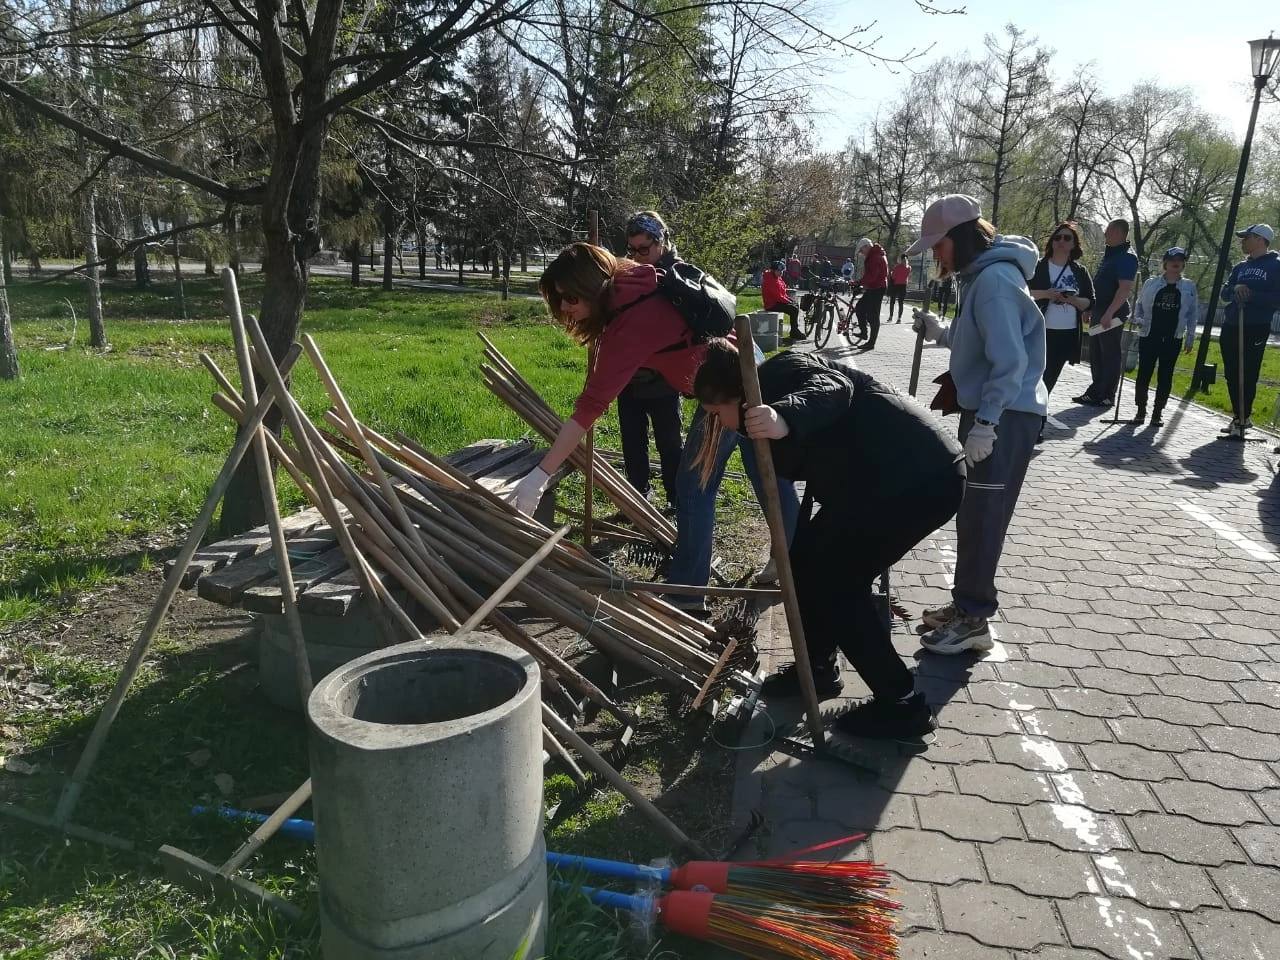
852, 437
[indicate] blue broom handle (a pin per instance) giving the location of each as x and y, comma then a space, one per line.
608, 868
635, 903
297, 828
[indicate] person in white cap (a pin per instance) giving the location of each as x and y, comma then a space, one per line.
1252, 294
1167, 313
997, 344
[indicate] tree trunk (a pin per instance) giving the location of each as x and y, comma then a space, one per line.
141, 270
422, 255
354, 254
209, 270
233, 243
387, 251
177, 272
506, 275
8, 351
461, 254
6, 262
97, 332
524, 260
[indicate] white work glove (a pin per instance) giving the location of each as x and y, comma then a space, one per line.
765, 423
979, 443
528, 492
927, 323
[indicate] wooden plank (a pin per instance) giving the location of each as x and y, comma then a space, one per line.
460, 458
217, 555
485, 466
226, 586
335, 596
266, 596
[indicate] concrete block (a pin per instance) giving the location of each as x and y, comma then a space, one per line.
426, 759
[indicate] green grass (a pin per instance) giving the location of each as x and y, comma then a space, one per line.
106, 457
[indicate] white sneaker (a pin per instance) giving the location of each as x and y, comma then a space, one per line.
768, 574
961, 634
939, 616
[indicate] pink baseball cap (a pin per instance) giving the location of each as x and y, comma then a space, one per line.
943, 214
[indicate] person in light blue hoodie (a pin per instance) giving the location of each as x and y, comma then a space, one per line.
997, 344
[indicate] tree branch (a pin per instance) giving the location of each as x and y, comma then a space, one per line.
133, 244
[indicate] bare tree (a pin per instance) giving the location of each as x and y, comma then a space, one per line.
887, 172
8, 351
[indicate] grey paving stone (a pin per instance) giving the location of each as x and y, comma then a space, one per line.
918, 776
1243, 634
954, 746
1065, 727
1129, 760
1058, 953
1258, 691
1060, 655
999, 915
1268, 802
1176, 710
1154, 734
1035, 675
1226, 934
1249, 618
1009, 696
1114, 681
1035, 753
1156, 881
1103, 622
1246, 887
978, 719
1039, 869
919, 907
1269, 671
1073, 827
1086, 639
1223, 769
1104, 792
968, 818
1206, 802
1261, 843
790, 835
1197, 689
1131, 662
1092, 703
1183, 839
929, 857
1156, 645
931, 945
1003, 783
1035, 616
866, 806
1251, 715
1213, 668
1123, 929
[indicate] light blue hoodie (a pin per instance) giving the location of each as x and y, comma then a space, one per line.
997, 340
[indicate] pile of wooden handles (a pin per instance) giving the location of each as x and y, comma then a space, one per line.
506, 383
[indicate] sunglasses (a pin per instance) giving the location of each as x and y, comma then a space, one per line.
642, 251
1063, 238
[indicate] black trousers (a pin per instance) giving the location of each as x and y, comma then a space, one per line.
836, 557
1105, 363
898, 295
634, 416
1255, 345
1153, 351
790, 310
868, 313
1059, 347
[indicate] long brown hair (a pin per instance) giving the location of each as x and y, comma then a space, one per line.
718, 380
1077, 249
586, 272
971, 238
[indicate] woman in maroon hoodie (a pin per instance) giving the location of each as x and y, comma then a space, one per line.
875, 281
615, 304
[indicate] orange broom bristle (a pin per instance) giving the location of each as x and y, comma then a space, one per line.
765, 931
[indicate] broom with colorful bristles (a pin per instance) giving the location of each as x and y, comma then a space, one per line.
757, 929
854, 889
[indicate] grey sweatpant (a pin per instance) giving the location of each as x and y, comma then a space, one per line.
990, 494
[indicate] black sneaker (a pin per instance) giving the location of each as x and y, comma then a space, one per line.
1156, 419
1085, 399
785, 683
908, 719
1139, 418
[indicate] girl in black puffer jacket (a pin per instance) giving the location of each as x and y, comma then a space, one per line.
885, 476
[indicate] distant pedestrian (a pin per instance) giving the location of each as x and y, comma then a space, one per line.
795, 274
825, 269
898, 278
773, 291
1063, 288
997, 360
875, 283
1167, 313
1252, 294
846, 269
1112, 287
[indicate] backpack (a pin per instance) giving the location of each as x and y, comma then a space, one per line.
707, 307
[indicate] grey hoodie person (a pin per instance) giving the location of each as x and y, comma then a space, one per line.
997, 339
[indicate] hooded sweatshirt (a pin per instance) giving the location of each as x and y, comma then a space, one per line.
646, 331
875, 276
1262, 276
997, 339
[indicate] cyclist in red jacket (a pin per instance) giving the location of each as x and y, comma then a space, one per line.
875, 281
773, 290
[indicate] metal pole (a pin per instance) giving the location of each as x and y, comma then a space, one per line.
1198, 377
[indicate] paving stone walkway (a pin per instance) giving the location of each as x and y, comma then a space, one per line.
1105, 783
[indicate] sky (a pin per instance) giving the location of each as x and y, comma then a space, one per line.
1179, 43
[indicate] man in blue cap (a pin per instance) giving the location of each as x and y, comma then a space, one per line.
1252, 295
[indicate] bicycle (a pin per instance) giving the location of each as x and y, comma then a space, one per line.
829, 311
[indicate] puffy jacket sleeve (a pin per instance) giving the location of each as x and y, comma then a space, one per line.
998, 313
809, 396
1142, 309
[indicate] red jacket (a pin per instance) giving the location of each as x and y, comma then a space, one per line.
876, 274
635, 338
773, 289
901, 273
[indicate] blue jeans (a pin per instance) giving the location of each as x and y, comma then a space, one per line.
696, 505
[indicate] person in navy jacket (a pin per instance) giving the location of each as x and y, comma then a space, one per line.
1252, 295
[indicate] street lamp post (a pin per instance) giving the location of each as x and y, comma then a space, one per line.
1264, 55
